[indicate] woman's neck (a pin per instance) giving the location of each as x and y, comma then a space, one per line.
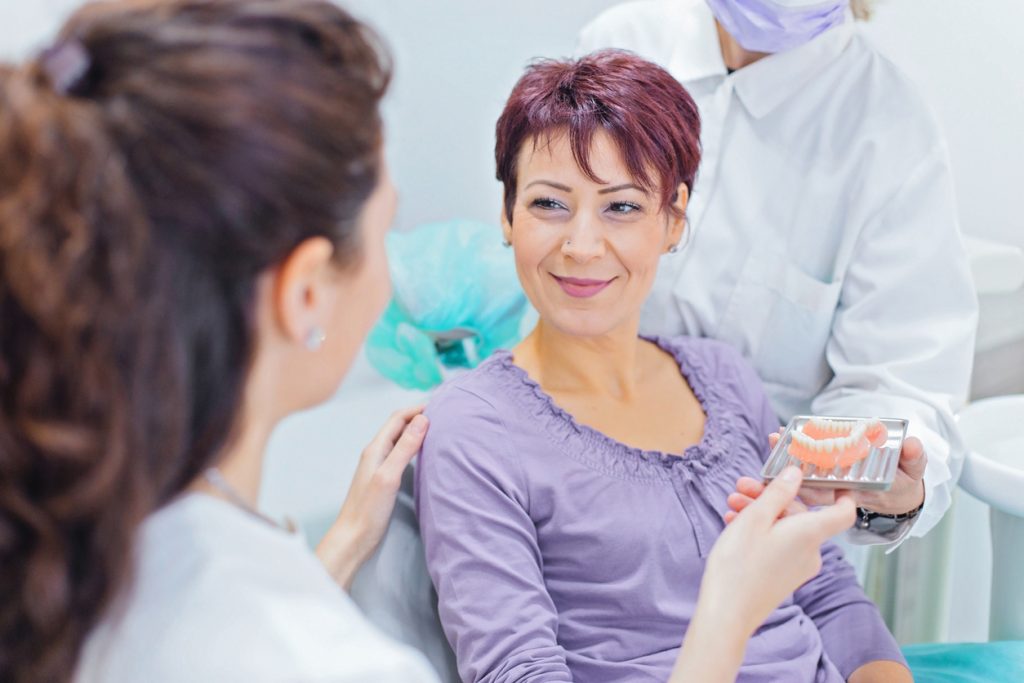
240, 465
608, 365
733, 54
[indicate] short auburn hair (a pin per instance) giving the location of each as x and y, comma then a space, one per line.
646, 111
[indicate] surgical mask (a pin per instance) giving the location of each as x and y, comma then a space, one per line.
777, 25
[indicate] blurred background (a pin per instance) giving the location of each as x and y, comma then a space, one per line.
456, 61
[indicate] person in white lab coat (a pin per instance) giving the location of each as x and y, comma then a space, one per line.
823, 241
193, 204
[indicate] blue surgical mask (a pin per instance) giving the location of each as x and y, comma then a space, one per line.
777, 25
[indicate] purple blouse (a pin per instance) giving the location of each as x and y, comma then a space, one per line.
560, 554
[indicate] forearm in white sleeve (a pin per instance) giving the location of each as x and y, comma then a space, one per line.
902, 341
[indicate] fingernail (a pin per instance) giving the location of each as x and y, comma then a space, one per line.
791, 474
418, 424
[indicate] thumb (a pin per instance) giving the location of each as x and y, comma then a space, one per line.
776, 496
826, 522
913, 459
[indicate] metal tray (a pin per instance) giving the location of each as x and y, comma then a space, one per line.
875, 472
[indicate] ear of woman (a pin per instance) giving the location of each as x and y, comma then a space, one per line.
304, 292
677, 217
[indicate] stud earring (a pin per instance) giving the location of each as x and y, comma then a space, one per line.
506, 243
315, 339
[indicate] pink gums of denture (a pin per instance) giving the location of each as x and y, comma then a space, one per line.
853, 454
876, 433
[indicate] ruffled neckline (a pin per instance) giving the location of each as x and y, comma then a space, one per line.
611, 456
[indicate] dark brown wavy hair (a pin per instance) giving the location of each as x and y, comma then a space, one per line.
199, 143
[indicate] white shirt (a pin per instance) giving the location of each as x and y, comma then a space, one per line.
222, 596
824, 237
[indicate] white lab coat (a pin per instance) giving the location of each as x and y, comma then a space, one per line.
220, 596
824, 238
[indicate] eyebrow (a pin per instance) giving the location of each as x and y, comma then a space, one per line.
566, 188
550, 183
627, 186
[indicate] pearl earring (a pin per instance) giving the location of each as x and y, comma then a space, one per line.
315, 339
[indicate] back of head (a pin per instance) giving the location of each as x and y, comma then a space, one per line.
152, 165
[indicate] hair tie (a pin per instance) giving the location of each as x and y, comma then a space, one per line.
66, 64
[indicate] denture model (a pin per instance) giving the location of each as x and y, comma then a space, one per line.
828, 443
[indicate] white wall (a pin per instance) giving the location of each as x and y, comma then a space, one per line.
968, 59
456, 62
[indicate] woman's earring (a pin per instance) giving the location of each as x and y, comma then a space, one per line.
673, 249
315, 339
506, 243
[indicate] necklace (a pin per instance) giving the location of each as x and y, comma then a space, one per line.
215, 478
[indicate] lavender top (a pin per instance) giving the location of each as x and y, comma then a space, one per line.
560, 554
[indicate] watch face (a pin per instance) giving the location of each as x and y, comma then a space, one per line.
883, 525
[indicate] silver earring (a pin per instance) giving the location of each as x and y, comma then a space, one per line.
685, 242
506, 243
315, 339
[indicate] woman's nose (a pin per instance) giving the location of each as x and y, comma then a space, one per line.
584, 240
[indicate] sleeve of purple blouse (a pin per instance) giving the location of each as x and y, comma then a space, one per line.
481, 546
851, 628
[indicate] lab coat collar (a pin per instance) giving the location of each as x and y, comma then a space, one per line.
767, 83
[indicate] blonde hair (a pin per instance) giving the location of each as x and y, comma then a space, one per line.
862, 9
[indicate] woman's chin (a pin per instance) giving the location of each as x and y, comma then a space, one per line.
583, 323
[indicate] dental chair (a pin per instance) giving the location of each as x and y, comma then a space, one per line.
394, 590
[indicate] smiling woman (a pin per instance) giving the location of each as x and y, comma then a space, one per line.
569, 491
606, 144
587, 252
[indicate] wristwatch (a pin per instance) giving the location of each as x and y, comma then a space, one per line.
887, 526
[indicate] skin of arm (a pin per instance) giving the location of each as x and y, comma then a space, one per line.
881, 672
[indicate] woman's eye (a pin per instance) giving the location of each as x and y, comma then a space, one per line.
546, 204
624, 208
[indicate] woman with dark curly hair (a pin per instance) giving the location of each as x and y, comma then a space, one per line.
191, 195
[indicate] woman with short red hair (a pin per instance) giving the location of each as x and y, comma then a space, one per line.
569, 491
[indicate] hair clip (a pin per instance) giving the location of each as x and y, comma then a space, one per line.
66, 64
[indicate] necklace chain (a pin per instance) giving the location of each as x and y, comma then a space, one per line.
216, 479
